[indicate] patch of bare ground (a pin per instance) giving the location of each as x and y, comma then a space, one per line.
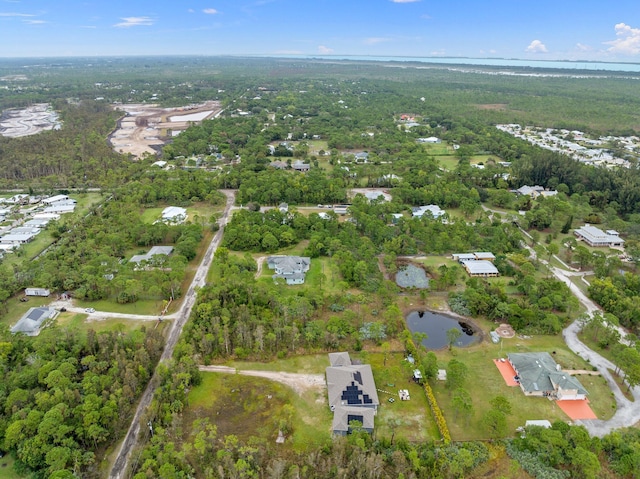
492, 106
146, 127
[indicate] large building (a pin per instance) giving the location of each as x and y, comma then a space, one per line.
352, 393
539, 375
479, 264
596, 237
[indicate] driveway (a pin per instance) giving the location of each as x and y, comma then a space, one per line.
627, 412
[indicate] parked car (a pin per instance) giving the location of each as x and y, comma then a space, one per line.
90, 310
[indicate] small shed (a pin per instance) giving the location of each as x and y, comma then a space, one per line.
417, 376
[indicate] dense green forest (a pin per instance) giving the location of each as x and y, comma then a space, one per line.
65, 398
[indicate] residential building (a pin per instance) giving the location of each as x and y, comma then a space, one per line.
535, 191
539, 375
174, 215
431, 139
37, 223
480, 268
352, 393
156, 250
54, 199
32, 321
300, 166
290, 268
60, 208
596, 237
17, 238
434, 210
37, 292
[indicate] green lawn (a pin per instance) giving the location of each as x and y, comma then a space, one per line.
484, 382
78, 322
147, 306
6, 468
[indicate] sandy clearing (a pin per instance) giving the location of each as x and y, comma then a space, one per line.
300, 383
146, 127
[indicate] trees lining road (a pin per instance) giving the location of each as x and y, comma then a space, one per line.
120, 465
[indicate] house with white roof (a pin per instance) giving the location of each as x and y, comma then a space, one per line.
54, 199
596, 237
60, 208
156, 250
434, 210
174, 215
17, 238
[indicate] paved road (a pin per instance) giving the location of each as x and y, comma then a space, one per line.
120, 465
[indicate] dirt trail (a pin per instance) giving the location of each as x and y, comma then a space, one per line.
299, 382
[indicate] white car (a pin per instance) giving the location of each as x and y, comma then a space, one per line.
90, 310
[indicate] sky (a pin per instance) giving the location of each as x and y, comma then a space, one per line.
592, 30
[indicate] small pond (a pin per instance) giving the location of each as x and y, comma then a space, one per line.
436, 325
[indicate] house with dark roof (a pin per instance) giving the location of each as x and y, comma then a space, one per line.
300, 166
290, 268
33, 320
539, 375
352, 393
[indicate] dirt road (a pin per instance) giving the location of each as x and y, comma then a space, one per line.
121, 462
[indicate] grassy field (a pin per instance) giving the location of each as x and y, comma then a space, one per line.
484, 382
250, 406
147, 307
6, 468
78, 322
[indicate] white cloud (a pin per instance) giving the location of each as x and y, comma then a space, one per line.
191, 10
34, 22
288, 52
9, 14
210, 11
628, 41
536, 46
324, 50
134, 22
405, 1
583, 48
425, 16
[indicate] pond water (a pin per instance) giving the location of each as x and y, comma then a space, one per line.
436, 326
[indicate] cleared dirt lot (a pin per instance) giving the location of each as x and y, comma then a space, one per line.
28, 121
146, 127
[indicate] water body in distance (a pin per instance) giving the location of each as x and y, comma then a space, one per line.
490, 62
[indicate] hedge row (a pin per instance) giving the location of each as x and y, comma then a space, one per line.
437, 414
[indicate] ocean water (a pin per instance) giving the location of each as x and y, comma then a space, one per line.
492, 62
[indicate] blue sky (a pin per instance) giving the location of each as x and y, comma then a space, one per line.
543, 29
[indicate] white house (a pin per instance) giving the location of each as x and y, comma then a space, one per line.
17, 239
174, 214
596, 237
434, 210
54, 199
60, 208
